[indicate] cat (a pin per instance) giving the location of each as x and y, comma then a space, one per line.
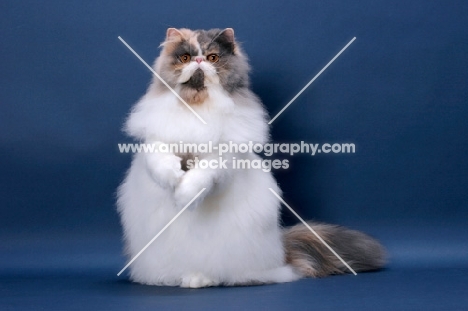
231, 234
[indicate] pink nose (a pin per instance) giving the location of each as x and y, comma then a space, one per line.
198, 59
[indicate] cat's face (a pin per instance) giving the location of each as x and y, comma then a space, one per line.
192, 61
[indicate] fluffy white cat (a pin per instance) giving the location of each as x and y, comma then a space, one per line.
230, 235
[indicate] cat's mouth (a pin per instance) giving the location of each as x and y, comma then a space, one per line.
197, 80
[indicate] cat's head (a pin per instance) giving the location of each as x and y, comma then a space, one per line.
193, 60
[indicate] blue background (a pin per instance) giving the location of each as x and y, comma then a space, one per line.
399, 93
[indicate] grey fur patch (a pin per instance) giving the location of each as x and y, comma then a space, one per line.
310, 257
232, 67
197, 80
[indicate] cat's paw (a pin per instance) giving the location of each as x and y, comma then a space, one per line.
197, 280
165, 169
190, 185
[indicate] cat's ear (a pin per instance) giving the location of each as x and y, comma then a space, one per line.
226, 39
173, 33
228, 34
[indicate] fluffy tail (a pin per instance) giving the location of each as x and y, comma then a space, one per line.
311, 257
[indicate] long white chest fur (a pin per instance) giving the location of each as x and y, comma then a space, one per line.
231, 235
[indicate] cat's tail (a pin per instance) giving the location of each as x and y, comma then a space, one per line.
306, 253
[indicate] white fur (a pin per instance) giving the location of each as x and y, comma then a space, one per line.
231, 234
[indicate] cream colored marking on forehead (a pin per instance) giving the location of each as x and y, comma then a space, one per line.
194, 41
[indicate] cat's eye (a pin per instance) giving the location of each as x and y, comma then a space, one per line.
184, 58
213, 58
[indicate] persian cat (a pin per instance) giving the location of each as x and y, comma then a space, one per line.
231, 234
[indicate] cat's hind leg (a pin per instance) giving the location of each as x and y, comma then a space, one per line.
197, 280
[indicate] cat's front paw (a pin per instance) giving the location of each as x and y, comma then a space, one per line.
165, 169
190, 185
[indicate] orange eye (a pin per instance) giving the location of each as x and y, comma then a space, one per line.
213, 58
184, 58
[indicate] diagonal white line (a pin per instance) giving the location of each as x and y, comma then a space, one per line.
161, 79
313, 79
313, 231
159, 233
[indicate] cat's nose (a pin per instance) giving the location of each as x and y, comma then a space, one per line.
199, 59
